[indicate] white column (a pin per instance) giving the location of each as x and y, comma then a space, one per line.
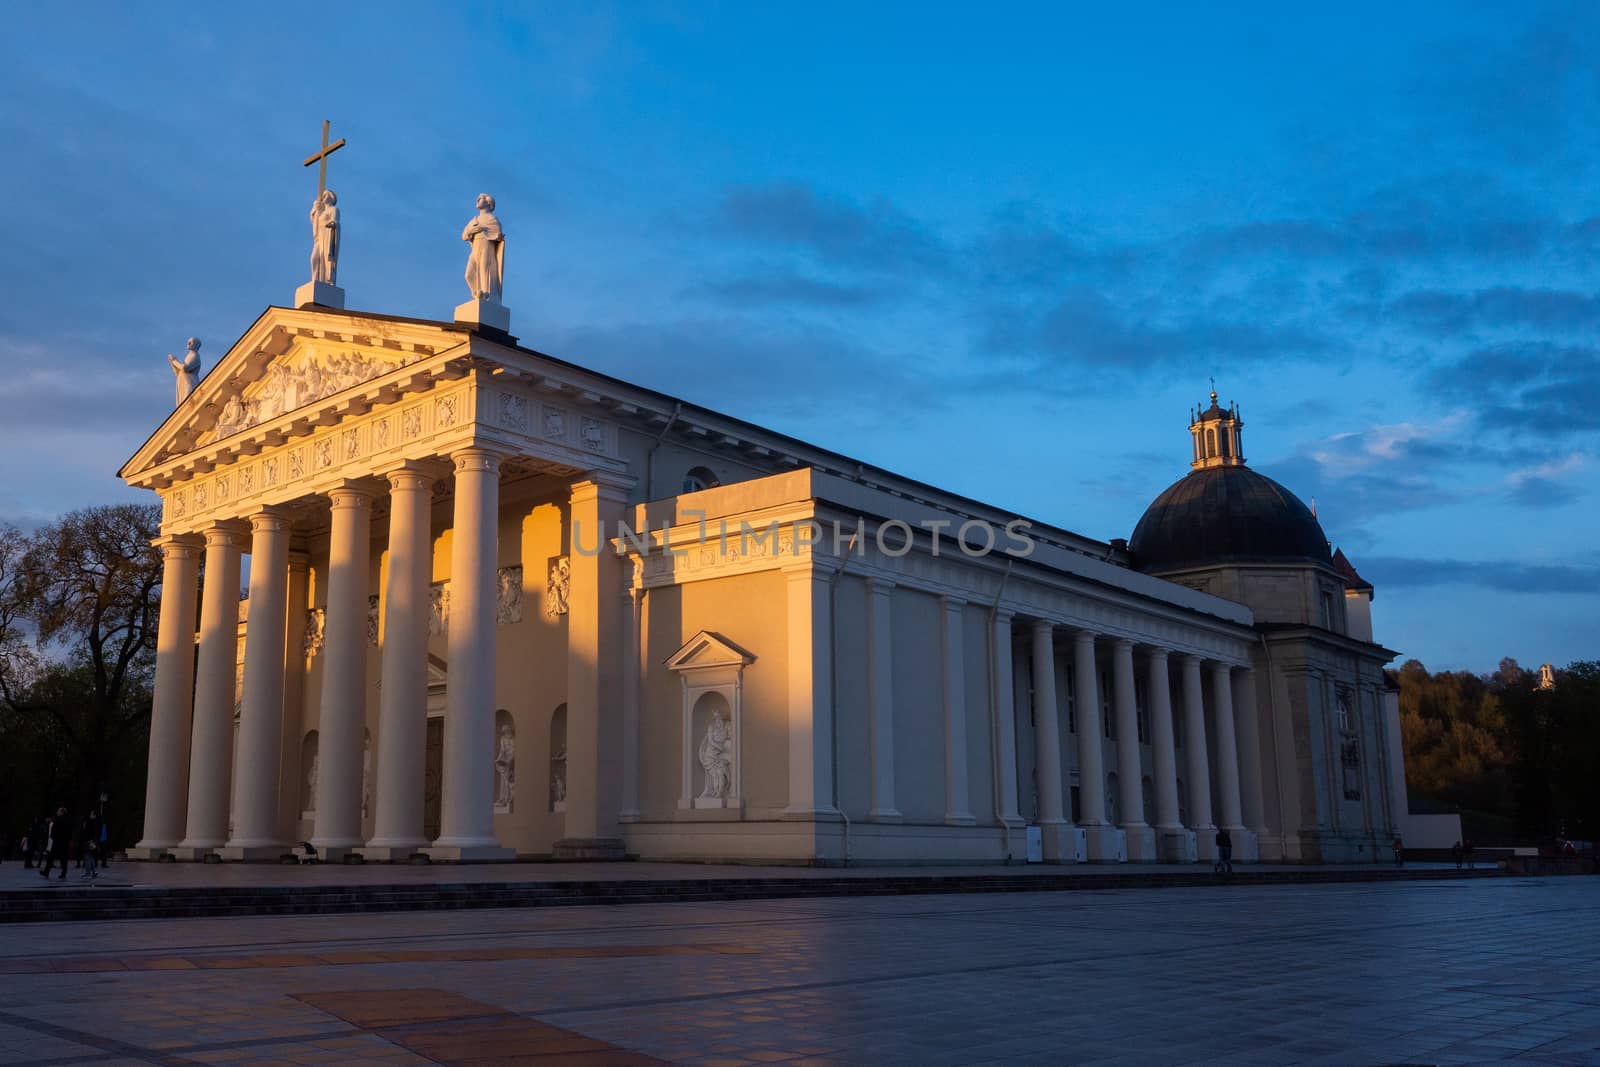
256, 834
1130, 769
1059, 837
403, 689
211, 751
343, 718
1247, 723
632, 654
1046, 725
1194, 750
292, 729
1104, 842
880, 698
958, 803
810, 704
1005, 718
466, 815
166, 781
1227, 747
594, 672
1164, 755
1091, 757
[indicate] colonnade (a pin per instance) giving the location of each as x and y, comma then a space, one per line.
189, 795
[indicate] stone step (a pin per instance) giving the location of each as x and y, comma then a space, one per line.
84, 903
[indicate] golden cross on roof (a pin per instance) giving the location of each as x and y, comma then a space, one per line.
322, 156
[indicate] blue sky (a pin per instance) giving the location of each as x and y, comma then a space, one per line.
998, 249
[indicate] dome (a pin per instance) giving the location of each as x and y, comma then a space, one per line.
1226, 514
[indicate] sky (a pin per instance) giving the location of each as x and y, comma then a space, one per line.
998, 248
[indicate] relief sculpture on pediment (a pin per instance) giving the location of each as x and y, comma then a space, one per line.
289, 385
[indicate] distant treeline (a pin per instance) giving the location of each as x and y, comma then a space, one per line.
1519, 762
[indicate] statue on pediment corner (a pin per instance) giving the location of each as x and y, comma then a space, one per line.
187, 369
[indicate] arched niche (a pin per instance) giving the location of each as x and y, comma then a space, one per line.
710, 669
558, 759
505, 763
308, 775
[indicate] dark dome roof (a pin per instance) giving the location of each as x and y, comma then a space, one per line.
1226, 515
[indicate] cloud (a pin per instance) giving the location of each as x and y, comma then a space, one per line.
1507, 576
1406, 444
836, 229
1501, 307
776, 286
1526, 388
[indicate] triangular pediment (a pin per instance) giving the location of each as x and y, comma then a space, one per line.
708, 649
288, 363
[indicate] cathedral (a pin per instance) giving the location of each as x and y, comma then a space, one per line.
501, 605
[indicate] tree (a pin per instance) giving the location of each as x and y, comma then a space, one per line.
79, 600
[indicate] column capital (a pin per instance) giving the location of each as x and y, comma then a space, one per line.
1191, 658
1122, 643
1084, 637
1155, 652
230, 533
483, 460
351, 494
271, 519
1044, 626
1004, 614
952, 603
880, 586
415, 475
178, 546
602, 485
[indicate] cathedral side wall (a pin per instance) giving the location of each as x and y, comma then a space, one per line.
919, 707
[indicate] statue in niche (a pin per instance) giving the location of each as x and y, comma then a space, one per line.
366, 776
311, 784
558, 789
505, 769
555, 601
716, 758
325, 238
187, 369
508, 600
486, 264
438, 609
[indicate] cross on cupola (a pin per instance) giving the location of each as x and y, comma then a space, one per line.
1218, 435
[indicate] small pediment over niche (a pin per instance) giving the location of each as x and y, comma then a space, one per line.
437, 676
708, 649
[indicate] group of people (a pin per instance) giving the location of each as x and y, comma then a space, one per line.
56, 840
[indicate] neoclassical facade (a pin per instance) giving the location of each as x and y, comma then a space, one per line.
502, 606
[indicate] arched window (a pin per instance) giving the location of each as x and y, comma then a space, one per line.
700, 478
1211, 442
1227, 445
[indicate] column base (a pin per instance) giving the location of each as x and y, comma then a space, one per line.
1246, 847
337, 853
1063, 843
792, 814
884, 815
194, 853
150, 853
319, 294
1176, 845
960, 819
1205, 844
485, 313
1105, 844
1141, 843
588, 848
393, 852
254, 853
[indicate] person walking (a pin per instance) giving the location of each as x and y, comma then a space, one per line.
1399, 856
1224, 864
59, 836
1455, 854
38, 835
89, 845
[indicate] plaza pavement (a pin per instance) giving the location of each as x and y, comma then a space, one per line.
1487, 970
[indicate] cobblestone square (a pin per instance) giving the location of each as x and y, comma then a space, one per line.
1467, 972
